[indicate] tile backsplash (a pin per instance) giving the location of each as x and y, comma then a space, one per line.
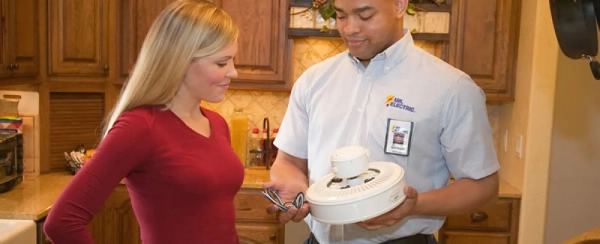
306, 52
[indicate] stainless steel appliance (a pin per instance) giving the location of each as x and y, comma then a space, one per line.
11, 161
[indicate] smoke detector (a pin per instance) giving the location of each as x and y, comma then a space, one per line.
357, 190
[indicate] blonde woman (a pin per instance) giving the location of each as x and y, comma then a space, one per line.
174, 156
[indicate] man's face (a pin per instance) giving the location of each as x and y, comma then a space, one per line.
369, 26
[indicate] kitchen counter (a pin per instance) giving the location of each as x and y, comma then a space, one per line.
33, 197
508, 191
587, 237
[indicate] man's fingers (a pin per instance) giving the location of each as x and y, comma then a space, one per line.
272, 209
301, 214
366, 226
410, 192
285, 217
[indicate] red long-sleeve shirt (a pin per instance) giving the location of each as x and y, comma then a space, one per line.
181, 183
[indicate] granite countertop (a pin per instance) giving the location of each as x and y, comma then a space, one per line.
508, 191
590, 237
32, 198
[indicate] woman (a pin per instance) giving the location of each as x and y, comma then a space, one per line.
174, 156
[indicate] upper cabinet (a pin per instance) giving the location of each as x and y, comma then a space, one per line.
483, 43
263, 55
135, 19
263, 46
19, 43
79, 38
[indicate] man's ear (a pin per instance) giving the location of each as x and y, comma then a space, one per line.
401, 6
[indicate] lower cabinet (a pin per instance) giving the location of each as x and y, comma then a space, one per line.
254, 224
497, 224
41, 236
116, 222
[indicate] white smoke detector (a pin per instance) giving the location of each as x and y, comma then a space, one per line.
357, 190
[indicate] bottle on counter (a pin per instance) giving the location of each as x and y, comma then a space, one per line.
255, 149
239, 134
273, 147
266, 147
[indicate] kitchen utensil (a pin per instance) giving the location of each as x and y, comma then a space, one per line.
575, 27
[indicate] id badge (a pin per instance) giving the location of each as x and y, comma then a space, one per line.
398, 137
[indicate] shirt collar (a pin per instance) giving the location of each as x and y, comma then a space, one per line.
393, 55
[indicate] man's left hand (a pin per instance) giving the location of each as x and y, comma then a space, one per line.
395, 215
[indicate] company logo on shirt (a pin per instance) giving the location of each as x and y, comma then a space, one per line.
396, 102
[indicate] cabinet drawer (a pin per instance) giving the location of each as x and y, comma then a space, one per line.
259, 233
457, 237
496, 217
250, 204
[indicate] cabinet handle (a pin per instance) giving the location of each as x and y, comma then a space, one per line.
11, 67
273, 237
16, 66
106, 68
243, 209
478, 217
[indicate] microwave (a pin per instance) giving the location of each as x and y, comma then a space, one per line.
11, 161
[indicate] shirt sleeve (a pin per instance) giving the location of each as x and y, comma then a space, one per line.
293, 132
467, 141
121, 152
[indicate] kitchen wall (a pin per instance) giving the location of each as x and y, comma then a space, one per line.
573, 193
306, 52
530, 116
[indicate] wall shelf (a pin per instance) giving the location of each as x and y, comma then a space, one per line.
429, 7
300, 33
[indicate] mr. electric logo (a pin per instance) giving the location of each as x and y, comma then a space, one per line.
392, 101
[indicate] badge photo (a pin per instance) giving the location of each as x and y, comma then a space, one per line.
398, 137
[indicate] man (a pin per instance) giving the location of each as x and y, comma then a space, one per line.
381, 85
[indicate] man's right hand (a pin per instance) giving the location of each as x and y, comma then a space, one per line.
287, 192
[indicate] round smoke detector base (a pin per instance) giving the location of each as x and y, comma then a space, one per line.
344, 201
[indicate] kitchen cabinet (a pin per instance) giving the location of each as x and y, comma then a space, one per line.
79, 39
116, 222
135, 19
254, 224
264, 51
41, 236
483, 43
497, 224
19, 39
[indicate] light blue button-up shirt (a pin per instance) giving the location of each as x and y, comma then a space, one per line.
339, 102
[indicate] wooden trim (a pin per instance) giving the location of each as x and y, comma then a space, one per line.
429, 7
301, 32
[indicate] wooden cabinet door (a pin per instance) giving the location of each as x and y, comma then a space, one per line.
4, 64
135, 19
79, 34
22, 25
254, 233
116, 222
262, 55
483, 43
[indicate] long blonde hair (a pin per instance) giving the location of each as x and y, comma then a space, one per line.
184, 30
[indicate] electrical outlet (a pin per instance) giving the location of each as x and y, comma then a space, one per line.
505, 140
519, 146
